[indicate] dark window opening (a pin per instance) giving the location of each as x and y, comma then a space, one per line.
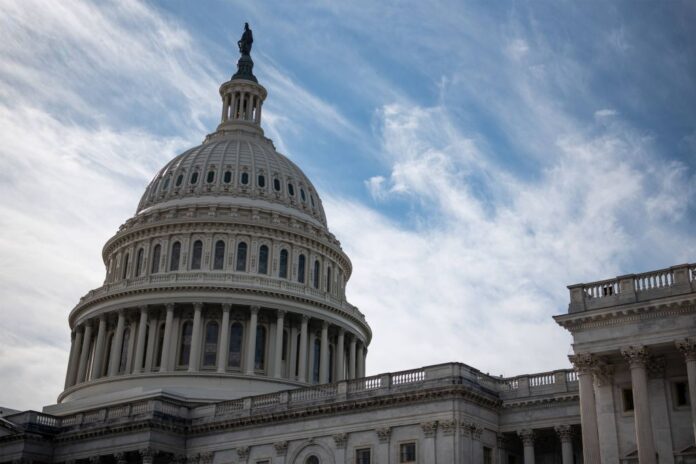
407, 452
260, 349
301, 269
276, 185
241, 256
179, 180
165, 186
210, 347
139, 263
245, 178
261, 181
185, 347
211, 177
194, 177
125, 267
197, 254
681, 394
219, 260
291, 190
227, 178
363, 456
302, 195
156, 259
234, 358
627, 397
283, 270
176, 253
317, 271
263, 259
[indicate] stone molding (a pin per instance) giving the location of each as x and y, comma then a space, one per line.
584, 363
564, 432
687, 347
448, 427
429, 428
243, 452
527, 436
637, 356
383, 434
340, 439
281, 448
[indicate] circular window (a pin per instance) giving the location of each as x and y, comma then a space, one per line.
312, 460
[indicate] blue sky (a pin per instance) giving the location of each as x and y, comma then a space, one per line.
474, 158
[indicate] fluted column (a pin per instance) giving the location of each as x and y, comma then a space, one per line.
74, 359
565, 434
251, 341
195, 353
360, 361
117, 345
324, 354
351, 358
584, 365
340, 353
688, 349
151, 343
637, 357
223, 348
527, 436
225, 107
84, 355
302, 369
167, 340
98, 364
278, 358
140, 342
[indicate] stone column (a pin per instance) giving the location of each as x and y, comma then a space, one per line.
281, 449
446, 449
351, 358
340, 356
427, 451
476, 445
225, 107
84, 355
637, 357
151, 343
302, 369
324, 354
565, 434
130, 349
97, 365
278, 358
340, 440
527, 436
584, 365
167, 339
606, 415
383, 435
223, 347
500, 449
148, 455
140, 344
115, 357
360, 361
74, 359
688, 349
195, 353
251, 341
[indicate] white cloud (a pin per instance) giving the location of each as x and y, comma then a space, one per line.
375, 185
604, 113
517, 49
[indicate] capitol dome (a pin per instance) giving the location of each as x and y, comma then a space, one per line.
225, 283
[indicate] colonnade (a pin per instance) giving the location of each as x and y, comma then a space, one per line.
215, 338
529, 436
242, 105
639, 361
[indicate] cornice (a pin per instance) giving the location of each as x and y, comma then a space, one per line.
541, 402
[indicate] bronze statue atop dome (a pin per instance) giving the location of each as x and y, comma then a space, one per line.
245, 65
245, 42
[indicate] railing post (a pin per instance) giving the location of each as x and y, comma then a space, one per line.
681, 282
342, 390
627, 288
523, 386
247, 406
577, 298
385, 381
560, 381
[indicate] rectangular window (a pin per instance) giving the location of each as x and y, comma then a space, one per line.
487, 455
363, 456
627, 399
681, 394
407, 452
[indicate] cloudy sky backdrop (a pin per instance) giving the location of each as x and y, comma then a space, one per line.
474, 158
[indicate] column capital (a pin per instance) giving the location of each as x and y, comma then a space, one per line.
475, 430
197, 306
95, 459
143, 308
341, 331
429, 428
280, 314
687, 347
120, 458
340, 439
325, 325
383, 434
254, 309
305, 318
281, 448
169, 306
584, 363
448, 426
226, 307
147, 453
527, 436
564, 432
637, 356
243, 452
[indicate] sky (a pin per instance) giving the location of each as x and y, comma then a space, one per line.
474, 158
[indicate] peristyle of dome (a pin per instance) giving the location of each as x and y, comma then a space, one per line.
225, 283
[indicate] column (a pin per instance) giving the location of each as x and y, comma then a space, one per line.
225, 107
606, 416
637, 357
258, 114
427, 451
584, 365
351, 358
383, 435
340, 440
340, 355
251, 341
324, 354
302, 369
223, 347
360, 361
117, 344
151, 343
688, 349
167, 339
140, 343
148, 455
74, 359
278, 358
195, 354
130, 349
281, 449
565, 434
97, 365
476, 445
500, 449
84, 355
527, 436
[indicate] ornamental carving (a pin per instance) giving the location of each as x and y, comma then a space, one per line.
635, 355
527, 436
120, 458
340, 439
656, 367
147, 454
383, 434
243, 452
206, 458
603, 373
281, 448
584, 363
564, 432
687, 347
448, 426
476, 430
429, 428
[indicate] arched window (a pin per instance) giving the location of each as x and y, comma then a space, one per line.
241, 256
219, 259
317, 361
139, 262
160, 346
227, 178
185, 346
197, 254
194, 177
317, 271
245, 178
301, 269
179, 180
176, 253
276, 185
328, 279
123, 355
283, 265
261, 181
312, 460
211, 342
260, 349
291, 190
302, 195
154, 269
211, 177
263, 259
124, 273
234, 357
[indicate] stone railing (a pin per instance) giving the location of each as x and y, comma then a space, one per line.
545, 383
633, 288
222, 279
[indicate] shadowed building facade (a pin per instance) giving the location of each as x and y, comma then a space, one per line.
222, 334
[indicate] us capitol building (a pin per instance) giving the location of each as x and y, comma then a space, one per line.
222, 335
